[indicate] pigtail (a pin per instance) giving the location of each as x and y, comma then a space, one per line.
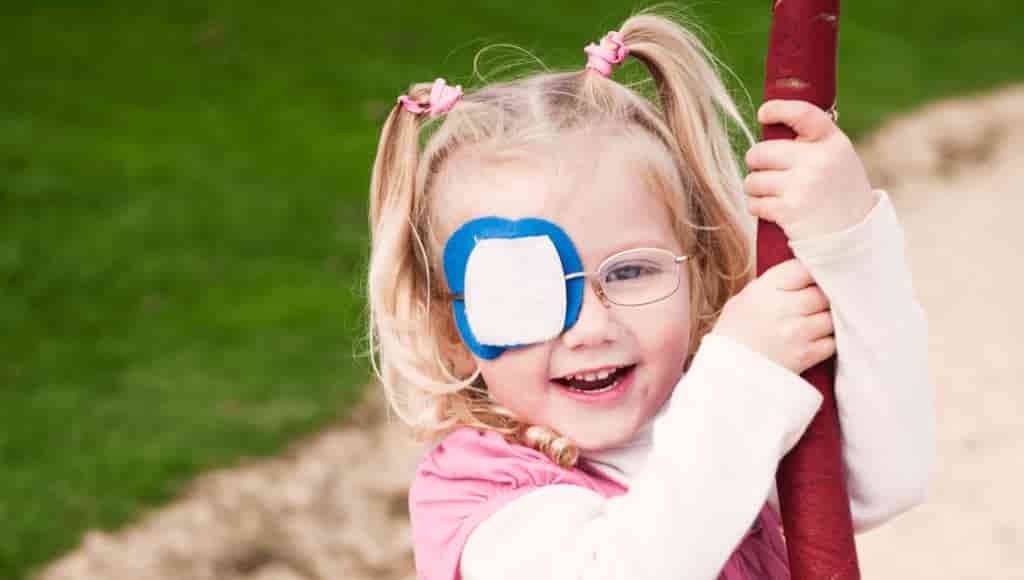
403, 342
390, 276
392, 184
693, 101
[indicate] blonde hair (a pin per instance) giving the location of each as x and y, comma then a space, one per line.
688, 157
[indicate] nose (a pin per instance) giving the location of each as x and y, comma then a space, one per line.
595, 325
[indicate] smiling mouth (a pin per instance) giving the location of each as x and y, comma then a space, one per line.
582, 383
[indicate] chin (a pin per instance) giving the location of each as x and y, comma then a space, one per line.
602, 440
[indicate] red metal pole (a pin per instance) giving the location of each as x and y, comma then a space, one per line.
812, 488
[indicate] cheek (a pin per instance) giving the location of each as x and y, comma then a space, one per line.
664, 332
517, 377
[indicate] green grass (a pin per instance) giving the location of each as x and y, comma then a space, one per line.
182, 213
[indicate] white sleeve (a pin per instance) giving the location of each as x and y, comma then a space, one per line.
884, 396
712, 462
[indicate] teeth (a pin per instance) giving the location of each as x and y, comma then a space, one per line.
598, 376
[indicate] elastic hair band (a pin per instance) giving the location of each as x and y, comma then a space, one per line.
442, 99
611, 51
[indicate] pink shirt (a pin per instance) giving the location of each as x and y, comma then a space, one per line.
471, 474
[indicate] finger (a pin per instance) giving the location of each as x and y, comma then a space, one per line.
764, 208
775, 154
824, 348
764, 183
789, 275
808, 121
767, 208
819, 325
811, 300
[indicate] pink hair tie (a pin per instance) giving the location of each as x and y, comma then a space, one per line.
612, 50
442, 99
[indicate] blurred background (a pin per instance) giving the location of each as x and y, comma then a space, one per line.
183, 212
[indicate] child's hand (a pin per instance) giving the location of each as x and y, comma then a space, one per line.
782, 315
811, 186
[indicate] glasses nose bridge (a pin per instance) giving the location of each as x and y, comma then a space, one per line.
593, 279
595, 283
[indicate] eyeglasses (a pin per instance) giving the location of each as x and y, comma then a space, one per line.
635, 277
630, 278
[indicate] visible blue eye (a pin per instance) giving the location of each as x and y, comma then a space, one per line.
632, 270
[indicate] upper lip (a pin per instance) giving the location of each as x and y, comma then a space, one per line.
591, 370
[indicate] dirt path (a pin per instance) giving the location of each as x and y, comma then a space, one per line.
334, 507
331, 508
957, 174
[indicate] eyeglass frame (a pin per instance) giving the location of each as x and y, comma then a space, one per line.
599, 287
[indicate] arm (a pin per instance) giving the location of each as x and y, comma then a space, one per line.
712, 463
885, 398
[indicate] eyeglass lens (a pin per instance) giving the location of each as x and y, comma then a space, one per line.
639, 277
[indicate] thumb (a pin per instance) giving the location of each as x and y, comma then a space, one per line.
766, 207
788, 275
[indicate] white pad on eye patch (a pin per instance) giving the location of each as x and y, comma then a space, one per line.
515, 291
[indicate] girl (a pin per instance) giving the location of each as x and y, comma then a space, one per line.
563, 298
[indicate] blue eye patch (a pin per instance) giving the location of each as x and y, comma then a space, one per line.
508, 278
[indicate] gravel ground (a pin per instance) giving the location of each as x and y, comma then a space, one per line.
956, 170
334, 507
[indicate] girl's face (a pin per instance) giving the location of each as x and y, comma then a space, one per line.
586, 188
